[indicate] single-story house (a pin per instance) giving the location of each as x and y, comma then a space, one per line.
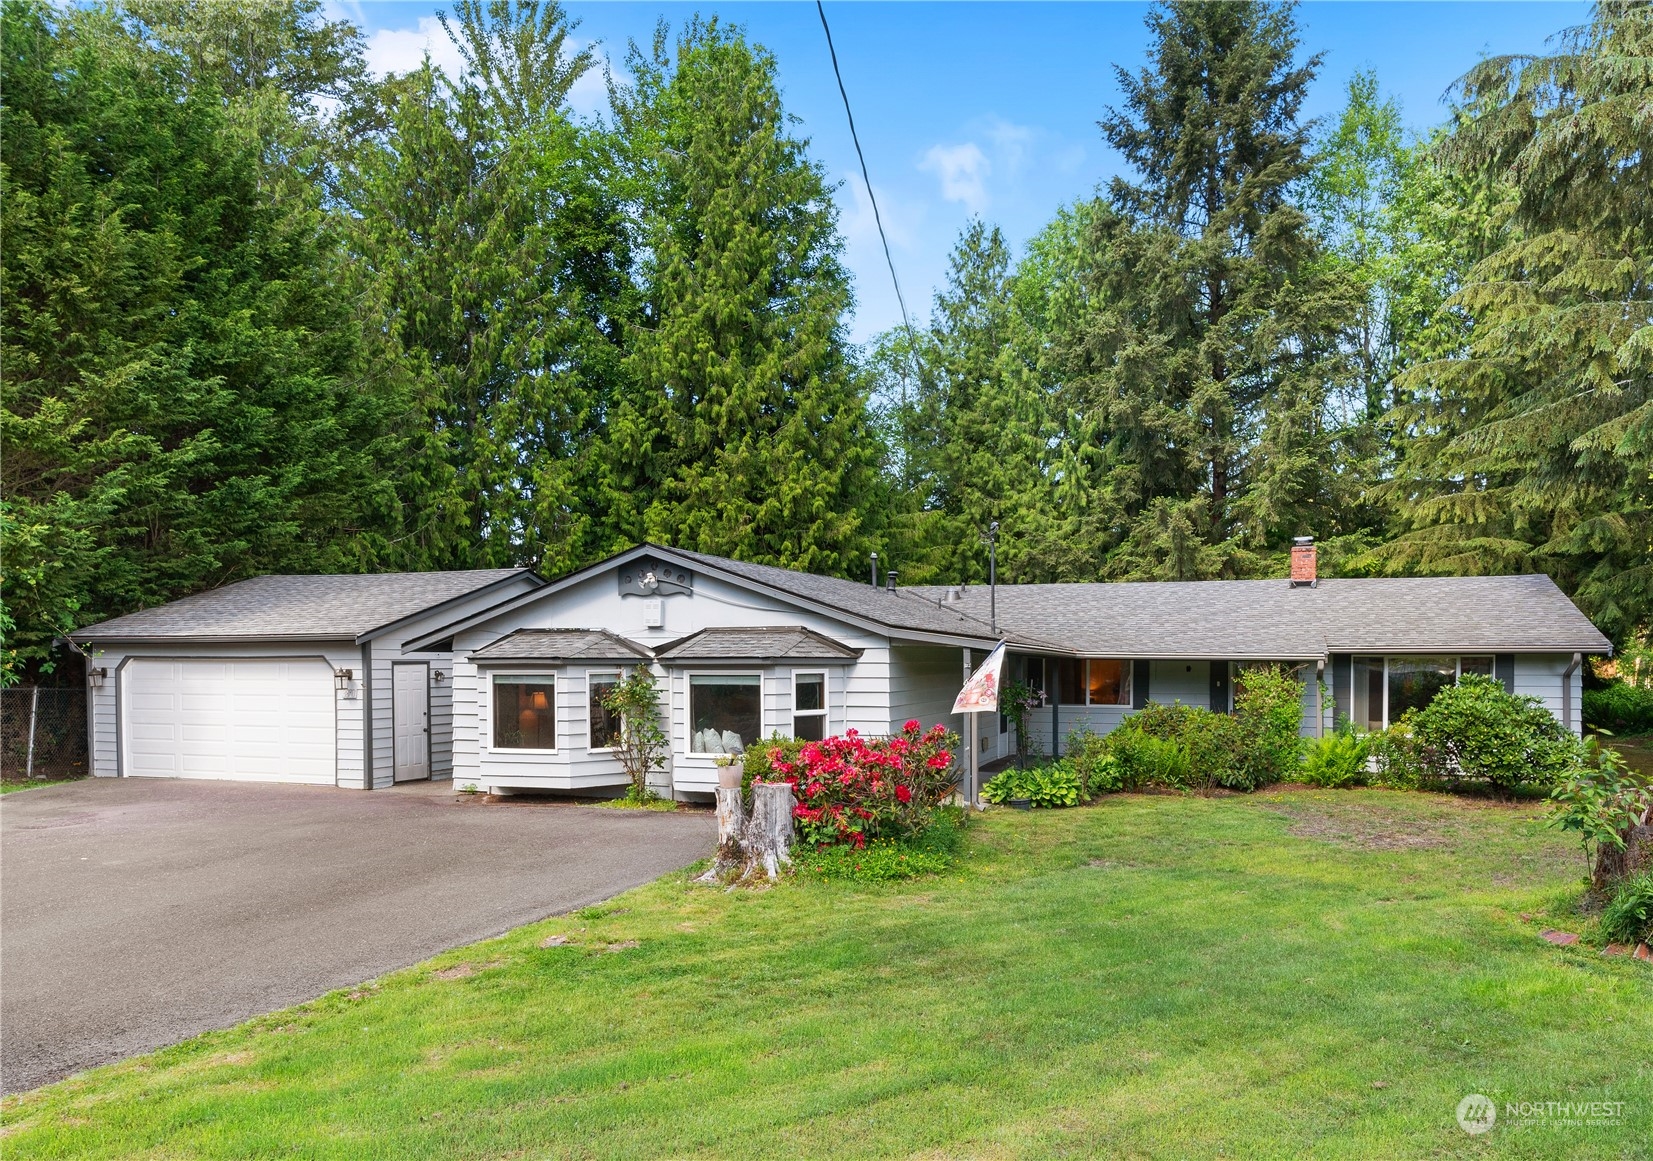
285, 679
743, 651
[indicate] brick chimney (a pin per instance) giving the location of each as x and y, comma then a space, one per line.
1303, 562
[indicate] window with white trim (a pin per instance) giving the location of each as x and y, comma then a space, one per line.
525, 711
725, 712
1381, 689
602, 723
809, 706
1097, 681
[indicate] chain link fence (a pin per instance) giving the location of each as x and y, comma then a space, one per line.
42, 733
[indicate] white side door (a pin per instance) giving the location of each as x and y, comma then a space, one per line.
410, 698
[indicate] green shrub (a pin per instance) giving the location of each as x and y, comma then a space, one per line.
880, 861
1336, 760
1145, 760
1395, 757
1254, 746
929, 852
1620, 707
1099, 772
1269, 713
1050, 785
757, 764
1210, 740
1600, 799
1477, 731
1628, 916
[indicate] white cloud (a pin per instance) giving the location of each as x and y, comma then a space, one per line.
860, 227
401, 50
589, 94
1012, 143
962, 170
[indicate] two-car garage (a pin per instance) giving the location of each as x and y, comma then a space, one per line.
240, 719
301, 679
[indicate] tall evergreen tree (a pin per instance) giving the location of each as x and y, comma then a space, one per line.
1539, 438
492, 265
1208, 368
968, 423
745, 429
1359, 165
182, 398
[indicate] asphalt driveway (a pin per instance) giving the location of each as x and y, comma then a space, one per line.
137, 912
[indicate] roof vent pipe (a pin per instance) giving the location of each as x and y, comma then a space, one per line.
1303, 574
889, 578
875, 570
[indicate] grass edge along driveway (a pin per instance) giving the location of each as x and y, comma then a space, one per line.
1295, 974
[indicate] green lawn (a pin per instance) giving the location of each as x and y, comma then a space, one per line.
7, 786
1295, 974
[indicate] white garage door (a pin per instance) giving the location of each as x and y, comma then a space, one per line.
254, 721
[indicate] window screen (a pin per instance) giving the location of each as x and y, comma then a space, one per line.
1069, 675
1109, 682
1414, 682
809, 706
605, 723
725, 712
525, 713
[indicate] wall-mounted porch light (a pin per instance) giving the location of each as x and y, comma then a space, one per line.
94, 677
341, 679
437, 677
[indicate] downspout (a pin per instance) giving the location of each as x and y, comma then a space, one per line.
1055, 710
1320, 698
1567, 693
367, 715
967, 728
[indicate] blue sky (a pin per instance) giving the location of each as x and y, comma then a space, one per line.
991, 108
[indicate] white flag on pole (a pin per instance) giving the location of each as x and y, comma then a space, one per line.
980, 694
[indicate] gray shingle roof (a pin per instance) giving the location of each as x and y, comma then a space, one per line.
562, 645
785, 643
902, 609
1270, 619
316, 608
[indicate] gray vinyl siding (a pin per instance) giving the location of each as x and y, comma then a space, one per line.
1188, 682
857, 691
100, 708
388, 650
1098, 719
1540, 675
924, 680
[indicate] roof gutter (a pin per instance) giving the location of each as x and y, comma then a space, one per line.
88, 637
428, 610
1567, 692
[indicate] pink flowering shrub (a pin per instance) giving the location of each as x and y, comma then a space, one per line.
852, 789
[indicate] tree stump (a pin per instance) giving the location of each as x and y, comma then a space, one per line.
731, 824
768, 837
748, 844
731, 810
1613, 865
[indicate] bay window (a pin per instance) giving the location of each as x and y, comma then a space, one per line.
725, 712
603, 724
525, 712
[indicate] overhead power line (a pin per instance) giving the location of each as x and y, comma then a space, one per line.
867, 178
